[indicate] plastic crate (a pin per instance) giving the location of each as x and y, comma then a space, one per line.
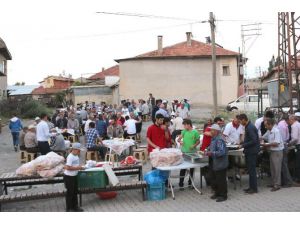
156, 192
92, 179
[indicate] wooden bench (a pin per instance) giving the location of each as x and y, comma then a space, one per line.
17, 197
122, 186
12, 180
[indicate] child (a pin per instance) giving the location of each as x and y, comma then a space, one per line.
70, 178
190, 139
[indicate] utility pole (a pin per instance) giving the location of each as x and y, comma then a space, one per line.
247, 32
214, 59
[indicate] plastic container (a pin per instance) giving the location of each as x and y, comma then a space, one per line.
156, 192
92, 179
107, 195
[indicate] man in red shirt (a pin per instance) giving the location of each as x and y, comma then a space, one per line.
156, 135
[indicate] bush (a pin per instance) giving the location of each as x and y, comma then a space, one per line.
24, 109
34, 108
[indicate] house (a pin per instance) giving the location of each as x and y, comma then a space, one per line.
100, 87
4, 56
49, 87
20, 92
183, 70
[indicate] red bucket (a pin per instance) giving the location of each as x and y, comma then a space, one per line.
107, 195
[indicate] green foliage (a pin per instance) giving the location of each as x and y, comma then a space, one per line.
24, 109
33, 108
60, 98
20, 83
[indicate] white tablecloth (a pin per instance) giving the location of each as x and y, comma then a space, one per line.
118, 146
184, 165
69, 131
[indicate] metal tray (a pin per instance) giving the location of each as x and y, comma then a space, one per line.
195, 158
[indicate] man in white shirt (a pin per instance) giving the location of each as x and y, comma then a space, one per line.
276, 146
177, 126
87, 123
233, 132
183, 112
286, 179
295, 140
130, 127
43, 135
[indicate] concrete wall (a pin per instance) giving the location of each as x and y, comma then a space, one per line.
92, 94
177, 79
3, 80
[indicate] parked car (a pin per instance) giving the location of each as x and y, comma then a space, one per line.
248, 103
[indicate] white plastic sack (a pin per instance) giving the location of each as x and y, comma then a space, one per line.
27, 169
48, 161
166, 157
90, 164
51, 172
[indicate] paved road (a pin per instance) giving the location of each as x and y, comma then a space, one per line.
187, 200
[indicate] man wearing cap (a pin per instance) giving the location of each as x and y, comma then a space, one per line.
37, 120
162, 110
30, 140
219, 154
70, 178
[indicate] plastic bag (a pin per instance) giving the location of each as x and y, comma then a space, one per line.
52, 172
27, 169
48, 161
166, 157
153, 177
90, 164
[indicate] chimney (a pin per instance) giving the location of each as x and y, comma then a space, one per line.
103, 69
189, 38
208, 41
160, 44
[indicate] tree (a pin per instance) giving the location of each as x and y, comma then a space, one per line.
60, 98
20, 83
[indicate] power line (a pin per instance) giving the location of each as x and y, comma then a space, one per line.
151, 16
124, 32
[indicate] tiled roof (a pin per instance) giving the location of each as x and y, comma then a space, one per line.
112, 71
4, 50
61, 78
42, 91
196, 49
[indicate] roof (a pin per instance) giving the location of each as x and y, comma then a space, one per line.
21, 90
275, 69
112, 71
61, 78
196, 49
42, 91
4, 50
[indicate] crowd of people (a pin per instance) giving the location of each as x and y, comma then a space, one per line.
268, 140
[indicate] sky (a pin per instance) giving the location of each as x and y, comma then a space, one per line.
52, 37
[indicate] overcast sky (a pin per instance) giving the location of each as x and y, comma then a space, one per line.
50, 36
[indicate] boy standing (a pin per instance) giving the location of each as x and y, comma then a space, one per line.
190, 139
70, 178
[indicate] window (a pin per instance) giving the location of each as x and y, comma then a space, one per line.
253, 98
2, 67
226, 71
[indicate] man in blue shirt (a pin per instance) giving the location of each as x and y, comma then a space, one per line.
219, 154
15, 127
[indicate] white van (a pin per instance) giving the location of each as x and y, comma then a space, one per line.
248, 103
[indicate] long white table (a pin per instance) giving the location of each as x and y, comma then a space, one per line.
185, 165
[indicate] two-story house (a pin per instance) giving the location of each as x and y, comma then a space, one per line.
4, 56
